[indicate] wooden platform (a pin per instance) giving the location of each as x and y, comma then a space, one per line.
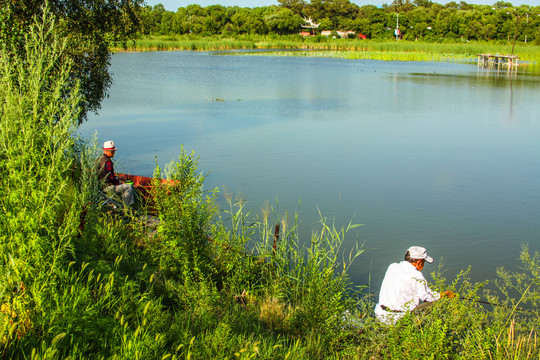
497, 60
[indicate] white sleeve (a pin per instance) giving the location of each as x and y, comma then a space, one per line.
423, 292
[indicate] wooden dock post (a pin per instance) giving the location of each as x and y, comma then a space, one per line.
486, 60
276, 238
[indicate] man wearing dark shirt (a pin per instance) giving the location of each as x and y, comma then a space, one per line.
107, 175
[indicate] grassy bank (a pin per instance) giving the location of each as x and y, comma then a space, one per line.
346, 48
82, 282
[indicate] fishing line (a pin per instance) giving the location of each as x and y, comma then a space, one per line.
504, 306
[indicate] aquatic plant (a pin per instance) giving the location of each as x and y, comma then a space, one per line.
346, 48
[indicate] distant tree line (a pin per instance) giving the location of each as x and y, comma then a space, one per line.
418, 19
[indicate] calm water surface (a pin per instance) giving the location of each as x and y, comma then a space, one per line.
442, 155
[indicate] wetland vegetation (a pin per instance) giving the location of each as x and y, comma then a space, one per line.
343, 48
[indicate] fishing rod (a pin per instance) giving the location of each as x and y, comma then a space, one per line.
492, 304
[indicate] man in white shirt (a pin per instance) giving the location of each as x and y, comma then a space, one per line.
404, 287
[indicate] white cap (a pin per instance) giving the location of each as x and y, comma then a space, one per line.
418, 252
109, 145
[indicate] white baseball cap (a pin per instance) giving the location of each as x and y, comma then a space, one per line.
418, 252
109, 145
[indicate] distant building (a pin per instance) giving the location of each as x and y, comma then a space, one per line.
345, 34
341, 34
309, 24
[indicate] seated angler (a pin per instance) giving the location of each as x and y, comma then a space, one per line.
107, 175
404, 286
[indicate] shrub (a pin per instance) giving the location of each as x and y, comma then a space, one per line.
40, 201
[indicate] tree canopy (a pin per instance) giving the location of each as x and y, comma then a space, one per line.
90, 27
418, 19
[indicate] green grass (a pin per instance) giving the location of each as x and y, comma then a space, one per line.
344, 48
372, 55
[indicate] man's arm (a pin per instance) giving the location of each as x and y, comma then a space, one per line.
423, 292
111, 178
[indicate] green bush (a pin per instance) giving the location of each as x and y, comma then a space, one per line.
40, 202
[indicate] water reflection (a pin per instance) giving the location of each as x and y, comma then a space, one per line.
505, 78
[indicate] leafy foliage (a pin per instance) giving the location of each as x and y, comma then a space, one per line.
424, 20
89, 28
39, 204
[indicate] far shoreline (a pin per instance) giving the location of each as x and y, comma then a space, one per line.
336, 48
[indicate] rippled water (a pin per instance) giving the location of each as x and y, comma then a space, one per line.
442, 155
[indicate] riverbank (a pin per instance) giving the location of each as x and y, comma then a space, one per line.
344, 48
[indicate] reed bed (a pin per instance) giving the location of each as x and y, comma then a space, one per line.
171, 43
366, 54
360, 49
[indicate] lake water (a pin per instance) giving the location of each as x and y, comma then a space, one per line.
441, 155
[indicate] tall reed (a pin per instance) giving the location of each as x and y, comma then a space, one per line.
365, 49
40, 204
